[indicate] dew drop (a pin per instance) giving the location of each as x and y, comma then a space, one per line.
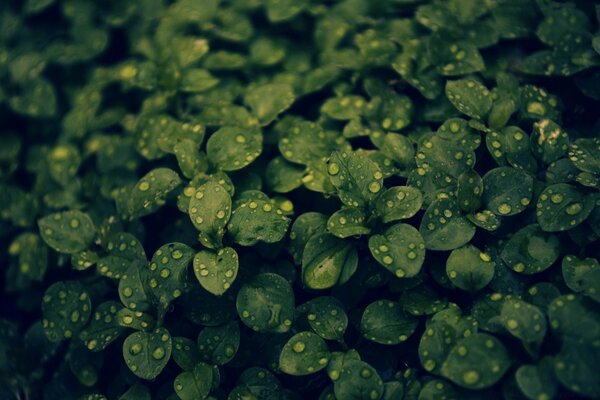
504, 209
135, 348
556, 198
574, 209
470, 377
333, 169
158, 353
298, 347
374, 187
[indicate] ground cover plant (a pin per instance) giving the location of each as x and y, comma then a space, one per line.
299, 199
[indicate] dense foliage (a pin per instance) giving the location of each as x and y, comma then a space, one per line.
299, 199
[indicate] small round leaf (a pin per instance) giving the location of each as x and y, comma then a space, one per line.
305, 353
147, 353
399, 202
327, 260
195, 384
400, 249
562, 206
385, 322
66, 308
216, 272
444, 227
469, 268
507, 191
531, 250
266, 303
232, 148
476, 362
67, 232
218, 345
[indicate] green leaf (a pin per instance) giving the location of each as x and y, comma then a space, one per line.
326, 316
32, 255
209, 211
537, 381
585, 154
531, 250
185, 353
266, 303
190, 159
399, 148
195, 384
35, 6
327, 261
282, 176
537, 103
443, 227
524, 321
501, 112
123, 249
457, 130
135, 319
167, 272
68, 231
282, 10
469, 97
469, 190
270, 100
575, 367
267, 51
36, 99
443, 156
304, 227
256, 221
476, 362
66, 308
385, 322
399, 202
103, 328
132, 289
218, 345
303, 354
507, 191
562, 206
357, 179
216, 272
303, 141
347, 222
232, 148
400, 249
358, 380
63, 163
582, 275
344, 107
549, 141
469, 268
150, 192
394, 113
147, 353
573, 316
422, 300
441, 334
136, 392
485, 219
458, 58
195, 80
438, 389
